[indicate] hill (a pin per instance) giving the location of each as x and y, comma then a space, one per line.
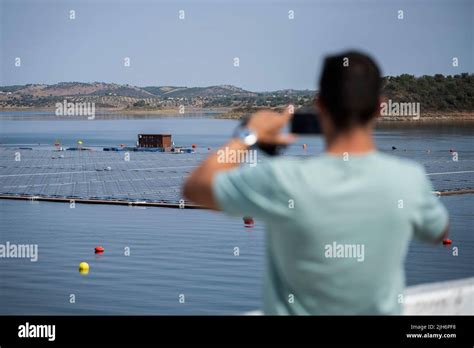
434, 93
190, 92
438, 96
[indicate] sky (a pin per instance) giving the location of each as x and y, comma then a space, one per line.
274, 52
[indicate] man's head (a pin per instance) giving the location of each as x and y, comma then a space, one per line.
349, 92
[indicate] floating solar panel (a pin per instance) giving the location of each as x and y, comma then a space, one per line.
151, 176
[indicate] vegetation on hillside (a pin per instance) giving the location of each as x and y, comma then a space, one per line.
434, 93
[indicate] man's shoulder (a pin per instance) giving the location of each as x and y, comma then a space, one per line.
380, 158
386, 165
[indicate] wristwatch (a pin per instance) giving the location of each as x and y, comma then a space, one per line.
245, 135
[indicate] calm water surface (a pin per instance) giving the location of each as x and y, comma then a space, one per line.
188, 252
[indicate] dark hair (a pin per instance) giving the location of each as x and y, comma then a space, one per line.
349, 89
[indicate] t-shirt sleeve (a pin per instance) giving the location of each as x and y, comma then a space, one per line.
432, 216
253, 191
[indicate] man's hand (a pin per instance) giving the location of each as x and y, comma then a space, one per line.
268, 125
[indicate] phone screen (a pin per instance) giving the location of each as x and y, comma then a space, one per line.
305, 122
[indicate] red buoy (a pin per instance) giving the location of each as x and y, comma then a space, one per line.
99, 250
193, 146
248, 221
447, 241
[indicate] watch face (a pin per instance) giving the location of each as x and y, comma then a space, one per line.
250, 139
247, 136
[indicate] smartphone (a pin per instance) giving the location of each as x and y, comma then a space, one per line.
305, 121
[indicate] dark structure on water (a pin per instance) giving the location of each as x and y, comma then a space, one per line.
155, 140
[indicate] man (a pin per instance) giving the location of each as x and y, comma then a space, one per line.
339, 225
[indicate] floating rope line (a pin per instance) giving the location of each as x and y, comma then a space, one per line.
444, 173
454, 192
163, 204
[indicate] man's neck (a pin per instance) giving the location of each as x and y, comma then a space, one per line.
356, 141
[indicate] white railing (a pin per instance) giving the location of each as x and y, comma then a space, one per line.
443, 298
455, 297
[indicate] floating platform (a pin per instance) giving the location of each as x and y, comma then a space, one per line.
151, 178
147, 179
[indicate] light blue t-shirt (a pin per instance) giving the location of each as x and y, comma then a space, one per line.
338, 229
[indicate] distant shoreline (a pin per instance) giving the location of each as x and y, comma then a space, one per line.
424, 116
229, 113
124, 111
110, 113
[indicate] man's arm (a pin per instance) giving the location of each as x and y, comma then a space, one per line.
198, 186
432, 219
267, 126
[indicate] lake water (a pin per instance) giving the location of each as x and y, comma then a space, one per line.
187, 252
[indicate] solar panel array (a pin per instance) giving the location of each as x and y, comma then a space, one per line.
151, 177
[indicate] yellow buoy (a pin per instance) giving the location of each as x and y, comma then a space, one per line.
84, 268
